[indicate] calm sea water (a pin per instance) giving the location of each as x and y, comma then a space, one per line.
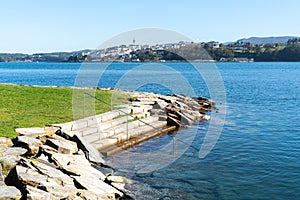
257, 154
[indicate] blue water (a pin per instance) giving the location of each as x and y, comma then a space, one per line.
257, 154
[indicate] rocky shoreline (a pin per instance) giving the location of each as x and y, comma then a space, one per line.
50, 163
44, 165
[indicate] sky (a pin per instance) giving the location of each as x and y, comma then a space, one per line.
34, 26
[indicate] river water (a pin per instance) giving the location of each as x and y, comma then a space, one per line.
257, 153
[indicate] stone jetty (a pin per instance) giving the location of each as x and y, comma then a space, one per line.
145, 116
65, 161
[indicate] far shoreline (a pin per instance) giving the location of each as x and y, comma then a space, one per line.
204, 61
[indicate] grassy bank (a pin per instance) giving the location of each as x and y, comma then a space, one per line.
27, 106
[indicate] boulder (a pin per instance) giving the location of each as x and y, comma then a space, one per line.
77, 165
21, 176
53, 181
172, 108
92, 154
184, 118
59, 192
37, 194
89, 195
9, 192
117, 179
205, 117
173, 122
57, 175
14, 151
5, 142
97, 186
9, 162
11, 156
36, 131
48, 150
30, 143
62, 145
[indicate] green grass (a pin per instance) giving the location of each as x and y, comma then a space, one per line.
28, 106
6, 167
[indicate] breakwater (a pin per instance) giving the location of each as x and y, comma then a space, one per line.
64, 160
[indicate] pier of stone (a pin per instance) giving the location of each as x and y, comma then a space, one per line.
146, 115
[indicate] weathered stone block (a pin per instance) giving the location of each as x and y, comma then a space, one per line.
30, 143
9, 192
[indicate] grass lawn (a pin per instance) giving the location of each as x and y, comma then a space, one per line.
29, 106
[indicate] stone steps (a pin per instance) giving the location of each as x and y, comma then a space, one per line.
102, 126
135, 141
125, 136
105, 118
113, 131
119, 128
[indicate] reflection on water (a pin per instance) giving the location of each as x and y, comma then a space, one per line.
257, 155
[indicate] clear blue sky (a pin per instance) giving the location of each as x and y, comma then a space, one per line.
65, 25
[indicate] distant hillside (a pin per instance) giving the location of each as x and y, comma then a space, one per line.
263, 40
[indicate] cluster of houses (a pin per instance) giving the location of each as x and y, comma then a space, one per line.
126, 52
129, 53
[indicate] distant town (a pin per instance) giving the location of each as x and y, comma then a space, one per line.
244, 50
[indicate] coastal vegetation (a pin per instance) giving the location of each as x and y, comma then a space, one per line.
255, 49
30, 106
240, 51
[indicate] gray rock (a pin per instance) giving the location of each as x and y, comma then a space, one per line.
93, 154
117, 179
60, 192
155, 112
77, 165
62, 145
190, 116
48, 150
14, 151
11, 155
30, 143
205, 117
5, 142
173, 122
97, 186
10, 161
26, 176
9, 192
162, 118
59, 185
37, 194
88, 195
36, 131
184, 119
58, 176
1, 174
120, 187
